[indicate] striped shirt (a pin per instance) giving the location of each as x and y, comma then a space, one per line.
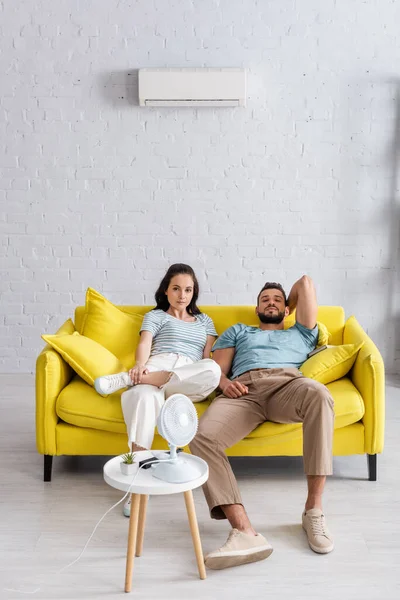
170, 334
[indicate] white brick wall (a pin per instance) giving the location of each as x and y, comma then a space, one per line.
97, 191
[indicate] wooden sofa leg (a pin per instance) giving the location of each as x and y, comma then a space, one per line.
372, 467
48, 464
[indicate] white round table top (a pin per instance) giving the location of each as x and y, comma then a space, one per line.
143, 480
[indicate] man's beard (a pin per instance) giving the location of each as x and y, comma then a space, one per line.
274, 319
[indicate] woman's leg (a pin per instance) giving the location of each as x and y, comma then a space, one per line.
157, 378
164, 368
160, 367
196, 380
141, 405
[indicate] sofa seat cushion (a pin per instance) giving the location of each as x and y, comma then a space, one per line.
349, 408
349, 405
79, 404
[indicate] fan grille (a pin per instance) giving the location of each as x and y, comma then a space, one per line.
178, 420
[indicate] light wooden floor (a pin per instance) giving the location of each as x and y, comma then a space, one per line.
44, 526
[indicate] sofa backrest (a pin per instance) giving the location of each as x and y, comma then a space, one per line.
225, 316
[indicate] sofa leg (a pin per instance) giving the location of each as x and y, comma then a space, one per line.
48, 463
372, 467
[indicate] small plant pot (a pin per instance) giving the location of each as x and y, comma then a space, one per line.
128, 469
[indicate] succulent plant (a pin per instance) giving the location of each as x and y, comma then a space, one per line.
128, 458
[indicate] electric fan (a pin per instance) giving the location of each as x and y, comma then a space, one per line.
177, 423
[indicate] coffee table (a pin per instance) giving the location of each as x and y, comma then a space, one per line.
145, 485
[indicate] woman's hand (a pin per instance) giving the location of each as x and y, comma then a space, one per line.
137, 372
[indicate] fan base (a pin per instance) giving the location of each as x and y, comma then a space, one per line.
176, 471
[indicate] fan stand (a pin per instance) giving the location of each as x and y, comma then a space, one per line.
176, 470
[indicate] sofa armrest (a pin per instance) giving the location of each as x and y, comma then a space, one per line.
52, 375
368, 375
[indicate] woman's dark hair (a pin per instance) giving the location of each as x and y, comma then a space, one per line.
161, 297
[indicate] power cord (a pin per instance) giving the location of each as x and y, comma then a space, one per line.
158, 460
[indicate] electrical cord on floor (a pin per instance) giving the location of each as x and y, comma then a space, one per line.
158, 460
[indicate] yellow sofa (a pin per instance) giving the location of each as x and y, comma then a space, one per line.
72, 419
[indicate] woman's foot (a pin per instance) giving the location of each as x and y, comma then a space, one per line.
108, 384
127, 507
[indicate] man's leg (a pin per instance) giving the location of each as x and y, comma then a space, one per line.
307, 401
225, 423
315, 484
237, 517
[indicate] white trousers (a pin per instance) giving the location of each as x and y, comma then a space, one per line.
141, 404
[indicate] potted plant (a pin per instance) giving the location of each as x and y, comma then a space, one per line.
127, 464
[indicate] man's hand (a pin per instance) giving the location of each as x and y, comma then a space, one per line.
234, 389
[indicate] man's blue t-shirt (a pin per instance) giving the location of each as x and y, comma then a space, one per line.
257, 348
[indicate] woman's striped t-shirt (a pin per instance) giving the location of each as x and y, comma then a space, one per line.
176, 336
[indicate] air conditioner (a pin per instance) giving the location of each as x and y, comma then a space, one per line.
192, 87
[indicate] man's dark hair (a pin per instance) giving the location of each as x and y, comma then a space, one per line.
161, 298
271, 285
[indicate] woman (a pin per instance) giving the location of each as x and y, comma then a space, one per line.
172, 356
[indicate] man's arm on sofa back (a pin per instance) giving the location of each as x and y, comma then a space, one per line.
303, 298
368, 375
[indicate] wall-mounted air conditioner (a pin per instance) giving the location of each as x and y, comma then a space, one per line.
192, 87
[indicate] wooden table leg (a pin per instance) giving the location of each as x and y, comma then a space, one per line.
142, 521
194, 529
133, 527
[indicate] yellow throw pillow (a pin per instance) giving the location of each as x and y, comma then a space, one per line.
323, 333
88, 358
111, 327
67, 327
331, 364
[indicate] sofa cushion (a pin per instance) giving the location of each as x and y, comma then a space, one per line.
349, 408
349, 405
323, 334
332, 363
111, 327
67, 327
88, 358
79, 404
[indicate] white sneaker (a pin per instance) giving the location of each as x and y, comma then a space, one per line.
127, 507
108, 384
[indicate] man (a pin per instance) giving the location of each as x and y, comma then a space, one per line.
266, 384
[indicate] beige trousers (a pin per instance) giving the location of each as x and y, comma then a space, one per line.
278, 395
141, 404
